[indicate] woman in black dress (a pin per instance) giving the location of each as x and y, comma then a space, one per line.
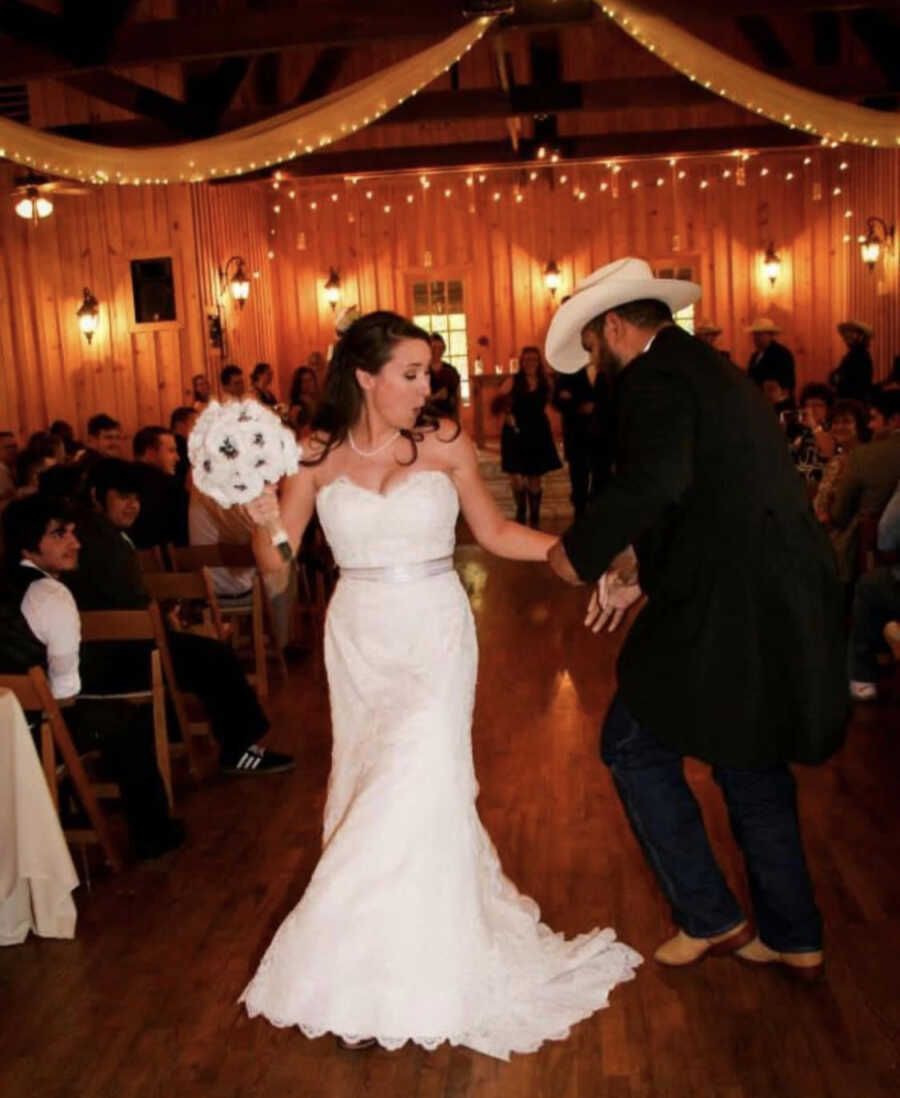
527, 449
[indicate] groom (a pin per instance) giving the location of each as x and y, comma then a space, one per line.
737, 657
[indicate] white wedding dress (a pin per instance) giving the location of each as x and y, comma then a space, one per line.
408, 929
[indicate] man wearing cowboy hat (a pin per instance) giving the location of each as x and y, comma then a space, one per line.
770, 360
852, 379
737, 656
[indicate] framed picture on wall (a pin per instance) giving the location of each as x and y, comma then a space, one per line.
151, 289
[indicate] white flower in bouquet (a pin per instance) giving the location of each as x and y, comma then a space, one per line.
236, 449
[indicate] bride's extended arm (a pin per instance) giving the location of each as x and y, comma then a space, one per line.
292, 512
492, 530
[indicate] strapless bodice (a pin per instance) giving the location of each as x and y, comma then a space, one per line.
414, 521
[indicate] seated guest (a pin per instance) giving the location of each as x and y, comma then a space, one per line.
9, 451
770, 359
109, 578
200, 391
782, 401
104, 439
876, 602
46, 444
261, 380
64, 431
29, 466
445, 380
853, 377
181, 423
304, 399
163, 516
867, 483
848, 430
814, 445
210, 524
232, 379
40, 626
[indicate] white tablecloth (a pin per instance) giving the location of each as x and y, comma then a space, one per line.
36, 871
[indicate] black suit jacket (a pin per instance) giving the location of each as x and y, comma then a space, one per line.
738, 656
775, 362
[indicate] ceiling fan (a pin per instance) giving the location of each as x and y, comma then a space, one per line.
32, 195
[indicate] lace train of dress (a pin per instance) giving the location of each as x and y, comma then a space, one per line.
408, 929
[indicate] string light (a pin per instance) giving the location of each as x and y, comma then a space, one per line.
334, 198
447, 192
496, 196
409, 198
314, 205
387, 208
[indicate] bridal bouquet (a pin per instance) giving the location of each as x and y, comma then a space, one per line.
236, 449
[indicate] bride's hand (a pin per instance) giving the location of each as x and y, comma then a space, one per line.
264, 510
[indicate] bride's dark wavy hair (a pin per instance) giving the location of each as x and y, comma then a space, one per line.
367, 345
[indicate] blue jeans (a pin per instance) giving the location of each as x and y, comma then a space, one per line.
666, 819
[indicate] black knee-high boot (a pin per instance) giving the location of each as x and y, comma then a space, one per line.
521, 504
534, 507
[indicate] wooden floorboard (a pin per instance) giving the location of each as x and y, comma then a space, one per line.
143, 1002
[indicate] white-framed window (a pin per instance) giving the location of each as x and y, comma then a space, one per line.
438, 305
686, 269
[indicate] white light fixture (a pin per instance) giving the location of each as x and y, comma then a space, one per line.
238, 282
871, 244
552, 277
333, 287
33, 206
88, 314
771, 264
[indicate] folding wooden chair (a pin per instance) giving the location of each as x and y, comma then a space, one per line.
189, 711
137, 625
191, 587
256, 609
151, 560
34, 695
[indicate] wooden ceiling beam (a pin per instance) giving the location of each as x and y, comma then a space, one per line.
765, 42
34, 45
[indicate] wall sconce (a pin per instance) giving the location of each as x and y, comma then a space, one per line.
771, 264
552, 277
333, 289
33, 206
238, 282
88, 314
871, 244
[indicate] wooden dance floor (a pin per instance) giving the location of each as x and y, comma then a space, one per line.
143, 1002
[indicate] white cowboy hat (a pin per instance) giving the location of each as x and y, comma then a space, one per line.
856, 326
702, 327
615, 284
763, 324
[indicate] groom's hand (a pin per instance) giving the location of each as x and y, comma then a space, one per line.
610, 601
561, 565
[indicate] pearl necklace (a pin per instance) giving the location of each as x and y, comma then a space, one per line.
377, 450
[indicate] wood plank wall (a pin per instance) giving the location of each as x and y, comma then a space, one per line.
499, 247
136, 373
377, 232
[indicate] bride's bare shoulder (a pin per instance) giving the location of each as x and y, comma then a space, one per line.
448, 445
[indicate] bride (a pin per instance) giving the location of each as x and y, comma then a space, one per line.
408, 929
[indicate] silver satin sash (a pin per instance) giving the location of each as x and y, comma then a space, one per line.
400, 573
